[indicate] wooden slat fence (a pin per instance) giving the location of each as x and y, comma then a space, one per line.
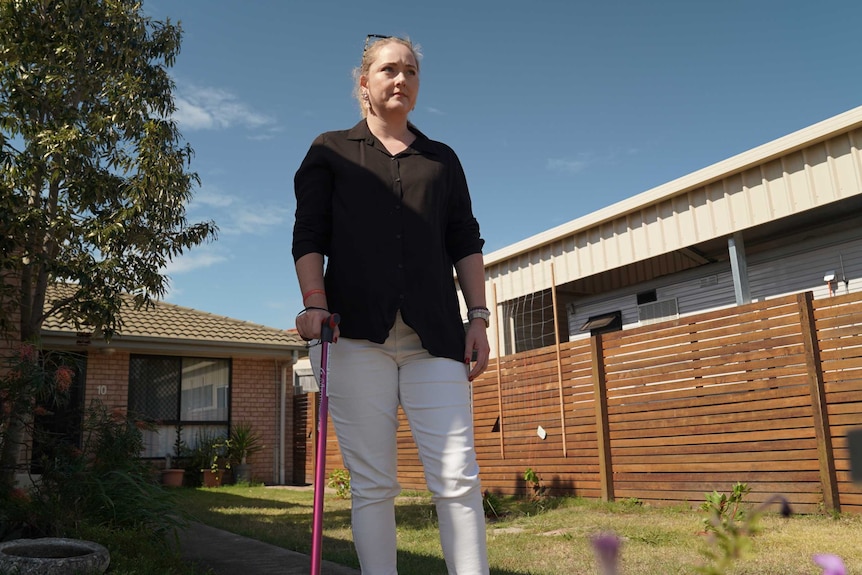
839, 333
700, 403
763, 393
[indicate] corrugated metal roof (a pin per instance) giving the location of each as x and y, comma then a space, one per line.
166, 323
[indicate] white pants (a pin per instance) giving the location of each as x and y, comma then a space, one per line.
366, 383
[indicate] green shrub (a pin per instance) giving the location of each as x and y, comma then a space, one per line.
103, 483
339, 479
730, 525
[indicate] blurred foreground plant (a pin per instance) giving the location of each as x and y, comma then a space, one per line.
832, 564
729, 524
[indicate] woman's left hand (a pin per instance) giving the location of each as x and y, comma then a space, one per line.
477, 340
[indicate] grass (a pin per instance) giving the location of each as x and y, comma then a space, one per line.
136, 553
544, 537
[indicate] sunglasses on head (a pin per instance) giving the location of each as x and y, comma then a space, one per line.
372, 38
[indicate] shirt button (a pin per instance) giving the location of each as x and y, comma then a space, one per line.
398, 180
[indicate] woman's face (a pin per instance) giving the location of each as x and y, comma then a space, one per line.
392, 81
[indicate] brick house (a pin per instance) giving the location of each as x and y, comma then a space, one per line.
194, 373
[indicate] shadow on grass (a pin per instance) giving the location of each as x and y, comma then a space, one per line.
287, 524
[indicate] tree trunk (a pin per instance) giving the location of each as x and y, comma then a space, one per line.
19, 415
11, 452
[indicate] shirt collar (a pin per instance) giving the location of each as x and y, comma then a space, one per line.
421, 144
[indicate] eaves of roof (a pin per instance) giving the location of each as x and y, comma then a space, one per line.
169, 328
168, 346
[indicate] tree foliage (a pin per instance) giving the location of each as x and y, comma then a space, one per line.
94, 174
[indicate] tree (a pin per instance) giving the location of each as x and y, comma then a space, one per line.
95, 174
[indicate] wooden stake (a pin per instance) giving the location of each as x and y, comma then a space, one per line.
499, 375
559, 360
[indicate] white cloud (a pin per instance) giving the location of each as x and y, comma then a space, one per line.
171, 292
567, 165
205, 108
435, 111
212, 197
233, 213
197, 258
269, 134
253, 220
261, 137
586, 160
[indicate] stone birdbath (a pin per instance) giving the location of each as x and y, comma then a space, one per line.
53, 556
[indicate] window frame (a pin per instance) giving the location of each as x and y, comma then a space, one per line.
189, 428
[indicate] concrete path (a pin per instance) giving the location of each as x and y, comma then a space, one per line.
229, 554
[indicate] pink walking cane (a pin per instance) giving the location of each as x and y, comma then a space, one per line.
326, 335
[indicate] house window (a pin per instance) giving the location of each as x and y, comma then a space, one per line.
656, 311
186, 397
647, 297
604, 323
528, 322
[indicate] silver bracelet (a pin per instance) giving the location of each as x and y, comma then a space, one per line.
482, 313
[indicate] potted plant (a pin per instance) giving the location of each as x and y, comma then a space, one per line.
209, 457
174, 476
243, 442
219, 463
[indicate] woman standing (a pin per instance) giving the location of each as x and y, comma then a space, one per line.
390, 210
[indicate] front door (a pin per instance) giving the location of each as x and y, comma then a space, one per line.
60, 423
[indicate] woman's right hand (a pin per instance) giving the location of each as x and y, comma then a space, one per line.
309, 322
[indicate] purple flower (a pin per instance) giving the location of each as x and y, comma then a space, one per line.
832, 564
607, 549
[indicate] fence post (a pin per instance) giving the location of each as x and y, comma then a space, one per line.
606, 472
822, 433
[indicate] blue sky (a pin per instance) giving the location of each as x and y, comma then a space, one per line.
556, 108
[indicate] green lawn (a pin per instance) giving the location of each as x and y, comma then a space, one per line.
546, 537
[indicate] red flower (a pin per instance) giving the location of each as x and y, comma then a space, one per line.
39, 410
20, 494
63, 378
27, 352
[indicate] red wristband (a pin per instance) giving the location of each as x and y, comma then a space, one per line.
310, 293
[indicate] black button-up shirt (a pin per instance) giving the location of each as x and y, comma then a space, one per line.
391, 228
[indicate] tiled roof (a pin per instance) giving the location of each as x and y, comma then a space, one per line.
169, 322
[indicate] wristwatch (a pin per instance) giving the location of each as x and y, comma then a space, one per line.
479, 312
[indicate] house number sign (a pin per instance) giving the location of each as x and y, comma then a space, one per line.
102, 390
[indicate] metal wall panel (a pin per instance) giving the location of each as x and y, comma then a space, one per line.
782, 271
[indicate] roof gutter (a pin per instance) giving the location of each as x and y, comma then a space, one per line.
188, 347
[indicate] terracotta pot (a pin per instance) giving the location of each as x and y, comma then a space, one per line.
211, 478
173, 477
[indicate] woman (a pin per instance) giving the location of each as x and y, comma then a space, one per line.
390, 210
